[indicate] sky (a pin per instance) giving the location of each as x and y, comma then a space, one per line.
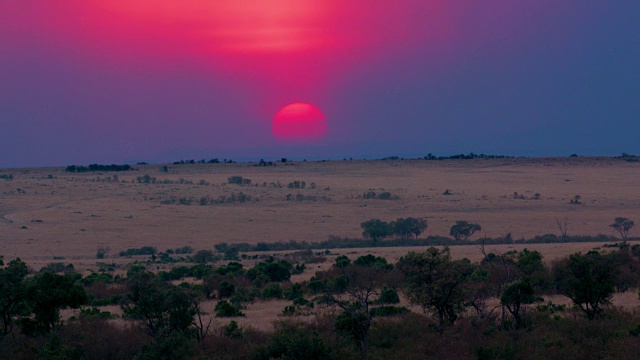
102, 81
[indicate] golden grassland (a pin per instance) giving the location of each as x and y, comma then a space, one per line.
48, 213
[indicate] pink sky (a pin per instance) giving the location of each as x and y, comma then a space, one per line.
162, 79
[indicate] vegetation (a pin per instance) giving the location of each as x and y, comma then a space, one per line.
98, 167
622, 225
463, 230
469, 156
385, 195
239, 180
376, 229
164, 320
436, 283
145, 250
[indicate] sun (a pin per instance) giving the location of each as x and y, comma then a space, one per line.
299, 122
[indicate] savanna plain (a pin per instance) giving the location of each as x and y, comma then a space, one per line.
259, 238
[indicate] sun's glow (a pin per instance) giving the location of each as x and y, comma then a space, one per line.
299, 122
237, 25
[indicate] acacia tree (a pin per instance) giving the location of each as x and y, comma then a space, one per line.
354, 289
437, 283
409, 227
588, 280
376, 229
463, 230
622, 225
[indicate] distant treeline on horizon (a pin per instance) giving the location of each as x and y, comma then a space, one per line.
470, 156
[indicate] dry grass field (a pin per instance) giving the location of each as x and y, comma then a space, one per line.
47, 212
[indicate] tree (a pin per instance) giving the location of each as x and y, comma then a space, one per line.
376, 229
463, 230
354, 289
622, 225
588, 280
12, 294
517, 294
161, 307
563, 225
408, 227
512, 277
203, 256
436, 283
47, 294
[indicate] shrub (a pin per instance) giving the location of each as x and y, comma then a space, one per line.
183, 250
388, 296
239, 180
203, 256
225, 309
145, 250
272, 291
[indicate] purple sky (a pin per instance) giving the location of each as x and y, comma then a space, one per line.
84, 81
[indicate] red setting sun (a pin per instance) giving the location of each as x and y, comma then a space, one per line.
299, 122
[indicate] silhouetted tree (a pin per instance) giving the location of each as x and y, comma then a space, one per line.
409, 227
437, 283
463, 230
161, 307
588, 280
376, 229
12, 294
47, 294
515, 295
622, 225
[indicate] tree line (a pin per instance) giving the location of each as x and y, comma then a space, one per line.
98, 167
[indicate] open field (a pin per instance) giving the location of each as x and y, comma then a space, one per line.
47, 212
49, 215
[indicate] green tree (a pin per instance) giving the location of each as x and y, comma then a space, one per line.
437, 283
463, 230
514, 278
622, 225
408, 227
12, 294
354, 289
47, 294
372, 261
588, 280
517, 294
161, 307
376, 229
342, 261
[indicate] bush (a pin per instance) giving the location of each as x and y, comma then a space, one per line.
272, 291
225, 309
145, 250
184, 250
388, 296
239, 180
203, 256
